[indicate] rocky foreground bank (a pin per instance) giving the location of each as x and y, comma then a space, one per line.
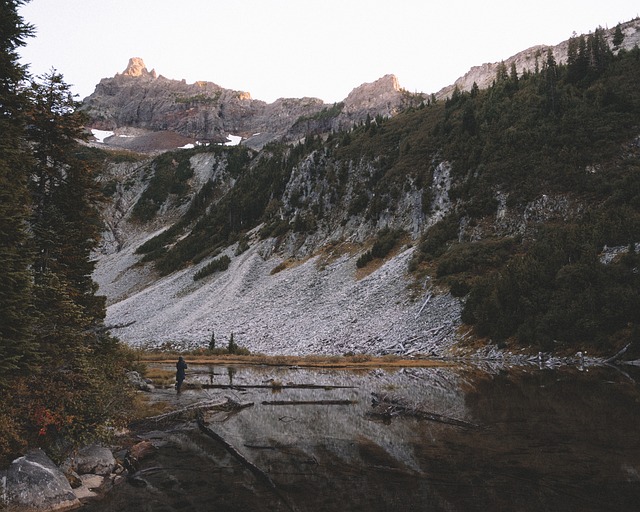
35, 482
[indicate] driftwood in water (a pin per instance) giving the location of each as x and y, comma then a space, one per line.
387, 407
309, 402
189, 413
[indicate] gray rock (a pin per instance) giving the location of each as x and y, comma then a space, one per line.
136, 380
94, 459
33, 482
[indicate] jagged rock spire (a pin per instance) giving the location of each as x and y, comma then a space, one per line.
136, 68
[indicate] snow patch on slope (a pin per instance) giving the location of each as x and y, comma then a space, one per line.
100, 135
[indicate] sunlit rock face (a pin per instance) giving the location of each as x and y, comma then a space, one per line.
205, 111
136, 68
384, 96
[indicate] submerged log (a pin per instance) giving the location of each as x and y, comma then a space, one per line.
260, 475
619, 354
386, 407
255, 470
309, 402
273, 385
189, 413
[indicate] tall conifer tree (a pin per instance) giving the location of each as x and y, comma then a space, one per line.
15, 280
65, 221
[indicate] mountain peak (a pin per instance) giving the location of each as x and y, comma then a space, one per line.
384, 96
136, 68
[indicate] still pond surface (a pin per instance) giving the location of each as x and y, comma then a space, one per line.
437, 439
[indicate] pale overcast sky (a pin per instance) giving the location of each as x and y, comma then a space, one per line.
296, 48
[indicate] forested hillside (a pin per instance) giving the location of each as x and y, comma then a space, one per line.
568, 132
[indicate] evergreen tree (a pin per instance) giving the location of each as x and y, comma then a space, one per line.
76, 393
501, 72
582, 62
599, 52
233, 346
618, 37
572, 60
475, 90
16, 349
513, 73
550, 71
66, 224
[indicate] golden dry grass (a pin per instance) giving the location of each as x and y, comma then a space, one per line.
312, 361
143, 407
286, 264
331, 252
376, 263
161, 378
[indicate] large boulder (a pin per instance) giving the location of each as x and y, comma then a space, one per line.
94, 459
34, 482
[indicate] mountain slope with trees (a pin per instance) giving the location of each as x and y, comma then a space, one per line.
515, 197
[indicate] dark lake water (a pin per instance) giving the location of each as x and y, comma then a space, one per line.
459, 439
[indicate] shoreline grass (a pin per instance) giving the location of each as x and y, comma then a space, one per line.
309, 361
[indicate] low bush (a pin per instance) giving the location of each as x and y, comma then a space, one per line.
385, 242
218, 265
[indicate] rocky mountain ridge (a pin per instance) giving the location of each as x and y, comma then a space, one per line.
149, 112
205, 112
527, 60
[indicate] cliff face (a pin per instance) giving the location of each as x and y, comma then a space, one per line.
141, 99
204, 111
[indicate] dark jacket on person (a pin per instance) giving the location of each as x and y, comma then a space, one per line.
181, 366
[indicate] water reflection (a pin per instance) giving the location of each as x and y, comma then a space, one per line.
547, 440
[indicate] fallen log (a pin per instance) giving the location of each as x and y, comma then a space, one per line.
423, 306
386, 407
309, 402
619, 354
189, 412
261, 475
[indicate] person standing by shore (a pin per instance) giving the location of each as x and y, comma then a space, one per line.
181, 366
